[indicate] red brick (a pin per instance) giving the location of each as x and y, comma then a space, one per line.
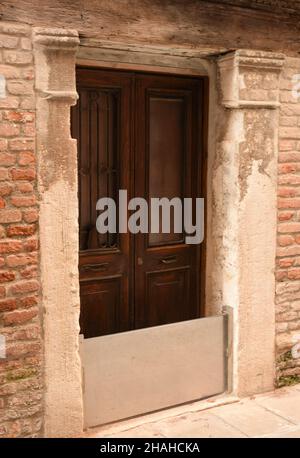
24, 287
23, 174
288, 203
8, 305
13, 231
281, 275
9, 388
9, 71
28, 103
31, 332
29, 272
27, 74
15, 260
17, 57
294, 274
289, 157
287, 262
286, 192
288, 251
18, 116
289, 227
23, 201
19, 316
8, 41
22, 348
5, 189
9, 102
12, 246
7, 159
30, 245
2, 203
30, 216
287, 168
26, 158
285, 240
24, 187
9, 130
2, 261
3, 143
285, 216
26, 43
10, 216
28, 301
6, 276
21, 144
28, 130
287, 145
2, 291
3, 174
16, 87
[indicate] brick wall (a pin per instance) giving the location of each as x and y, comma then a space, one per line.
288, 250
21, 392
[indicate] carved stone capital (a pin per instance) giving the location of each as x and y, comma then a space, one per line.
54, 54
250, 79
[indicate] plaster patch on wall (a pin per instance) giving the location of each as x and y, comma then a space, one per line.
2, 87
258, 144
2, 346
296, 348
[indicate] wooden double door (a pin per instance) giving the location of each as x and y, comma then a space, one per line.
142, 133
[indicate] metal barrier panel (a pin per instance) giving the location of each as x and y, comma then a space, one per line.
141, 371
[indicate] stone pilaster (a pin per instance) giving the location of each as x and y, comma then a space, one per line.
54, 56
245, 177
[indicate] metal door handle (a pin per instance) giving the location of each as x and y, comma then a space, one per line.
169, 260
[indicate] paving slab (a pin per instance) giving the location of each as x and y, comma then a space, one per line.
291, 433
198, 424
285, 403
251, 418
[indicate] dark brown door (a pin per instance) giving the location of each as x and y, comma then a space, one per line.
140, 132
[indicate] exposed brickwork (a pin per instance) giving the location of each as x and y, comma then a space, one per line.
21, 387
288, 246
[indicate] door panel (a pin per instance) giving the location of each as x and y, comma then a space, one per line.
101, 306
101, 124
165, 158
163, 291
167, 149
139, 132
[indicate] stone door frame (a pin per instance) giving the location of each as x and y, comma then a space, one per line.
242, 171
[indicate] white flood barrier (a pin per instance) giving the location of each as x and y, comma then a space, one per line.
136, 372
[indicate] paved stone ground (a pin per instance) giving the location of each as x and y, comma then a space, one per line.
275, 414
